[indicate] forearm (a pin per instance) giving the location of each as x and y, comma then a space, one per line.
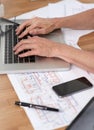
83, 20
81, 58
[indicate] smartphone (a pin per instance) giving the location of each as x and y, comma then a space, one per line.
72, 86
85, 119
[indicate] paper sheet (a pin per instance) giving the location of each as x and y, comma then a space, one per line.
57, 9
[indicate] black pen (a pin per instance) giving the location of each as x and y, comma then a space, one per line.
24, 104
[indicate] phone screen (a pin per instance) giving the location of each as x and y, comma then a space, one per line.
85, 119
72, 86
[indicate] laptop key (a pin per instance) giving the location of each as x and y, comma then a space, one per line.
11, 40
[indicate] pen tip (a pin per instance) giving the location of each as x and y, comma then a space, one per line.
17, 102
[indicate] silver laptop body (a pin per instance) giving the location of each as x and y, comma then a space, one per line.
39, 64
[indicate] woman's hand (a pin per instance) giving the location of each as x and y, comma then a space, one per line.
36, 26
37, 46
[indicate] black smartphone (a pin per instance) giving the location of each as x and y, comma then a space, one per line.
85, 119
72, 86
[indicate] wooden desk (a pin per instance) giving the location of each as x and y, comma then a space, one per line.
12, 117
14, 8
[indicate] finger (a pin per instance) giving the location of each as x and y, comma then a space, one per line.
20, 44
22, 26
24, 33
22, 48
28, 53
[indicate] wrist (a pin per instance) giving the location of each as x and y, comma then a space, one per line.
58, 22
64, 52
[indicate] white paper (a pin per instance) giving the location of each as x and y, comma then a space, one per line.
37, 88
41, 12
57, 9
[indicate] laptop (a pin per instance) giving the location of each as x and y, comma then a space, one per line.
10, 63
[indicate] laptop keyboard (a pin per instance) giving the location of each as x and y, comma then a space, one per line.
11, 40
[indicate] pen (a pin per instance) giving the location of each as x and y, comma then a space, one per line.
24, 104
